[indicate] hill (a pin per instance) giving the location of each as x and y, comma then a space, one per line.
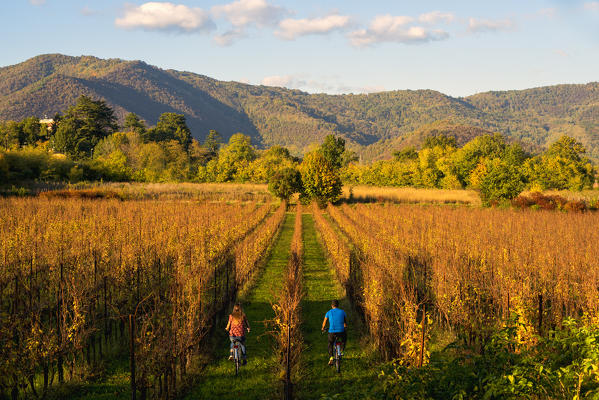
373, 124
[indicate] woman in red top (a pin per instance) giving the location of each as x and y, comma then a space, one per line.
236, 327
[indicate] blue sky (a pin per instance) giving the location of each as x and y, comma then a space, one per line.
456, 47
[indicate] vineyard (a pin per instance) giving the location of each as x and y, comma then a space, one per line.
526, 280
78, 277
489, 303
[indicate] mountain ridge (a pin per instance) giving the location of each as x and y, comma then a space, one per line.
372, 124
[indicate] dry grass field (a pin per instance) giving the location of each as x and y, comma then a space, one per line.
410, 195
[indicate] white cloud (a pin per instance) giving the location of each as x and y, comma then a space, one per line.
434, 17
166, 17
88, 12
324, 84
476, 25
291, 28
287, 81
37, 2
242, 13
387, 28
230, 36
591, 6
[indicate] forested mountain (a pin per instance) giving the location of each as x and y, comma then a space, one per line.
373, 124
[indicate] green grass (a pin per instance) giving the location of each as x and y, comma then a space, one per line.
358, 376
258, 379
114, 385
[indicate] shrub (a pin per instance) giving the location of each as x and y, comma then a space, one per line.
550, 202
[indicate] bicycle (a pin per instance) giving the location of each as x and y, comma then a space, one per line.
338, 353
237, 355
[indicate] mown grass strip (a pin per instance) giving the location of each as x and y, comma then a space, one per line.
258, 379
358, 376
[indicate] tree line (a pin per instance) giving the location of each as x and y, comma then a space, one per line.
488, 163
86, 143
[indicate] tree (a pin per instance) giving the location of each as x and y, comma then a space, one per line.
278, 152
212, 144
270, 162
239, 149
10, 134
66, 139
480, 148
171, 126
134, 124
332, 149
429, 174
406, 154
83, 126
568, 148
348, 157
441, 140
233, 162
562, 166
320, 178
32, 131
500, 181
285, 182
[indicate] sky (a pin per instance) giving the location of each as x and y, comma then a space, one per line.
457, 47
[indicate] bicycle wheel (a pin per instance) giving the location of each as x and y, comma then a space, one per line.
236, 361
338, 358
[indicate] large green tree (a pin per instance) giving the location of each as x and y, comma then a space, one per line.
171, 126
83, 126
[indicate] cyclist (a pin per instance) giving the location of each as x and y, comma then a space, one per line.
337, 327
236, 327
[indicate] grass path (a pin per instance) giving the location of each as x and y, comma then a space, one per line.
358, 376
257, 379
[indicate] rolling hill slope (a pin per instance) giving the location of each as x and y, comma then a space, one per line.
373, 124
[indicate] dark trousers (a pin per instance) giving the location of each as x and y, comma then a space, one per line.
332, 336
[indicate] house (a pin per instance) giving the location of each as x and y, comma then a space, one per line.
49, 122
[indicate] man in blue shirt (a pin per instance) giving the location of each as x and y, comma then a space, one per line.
337, 327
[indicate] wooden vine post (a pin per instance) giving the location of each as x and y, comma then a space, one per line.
421, 362
132, 356
288, 391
